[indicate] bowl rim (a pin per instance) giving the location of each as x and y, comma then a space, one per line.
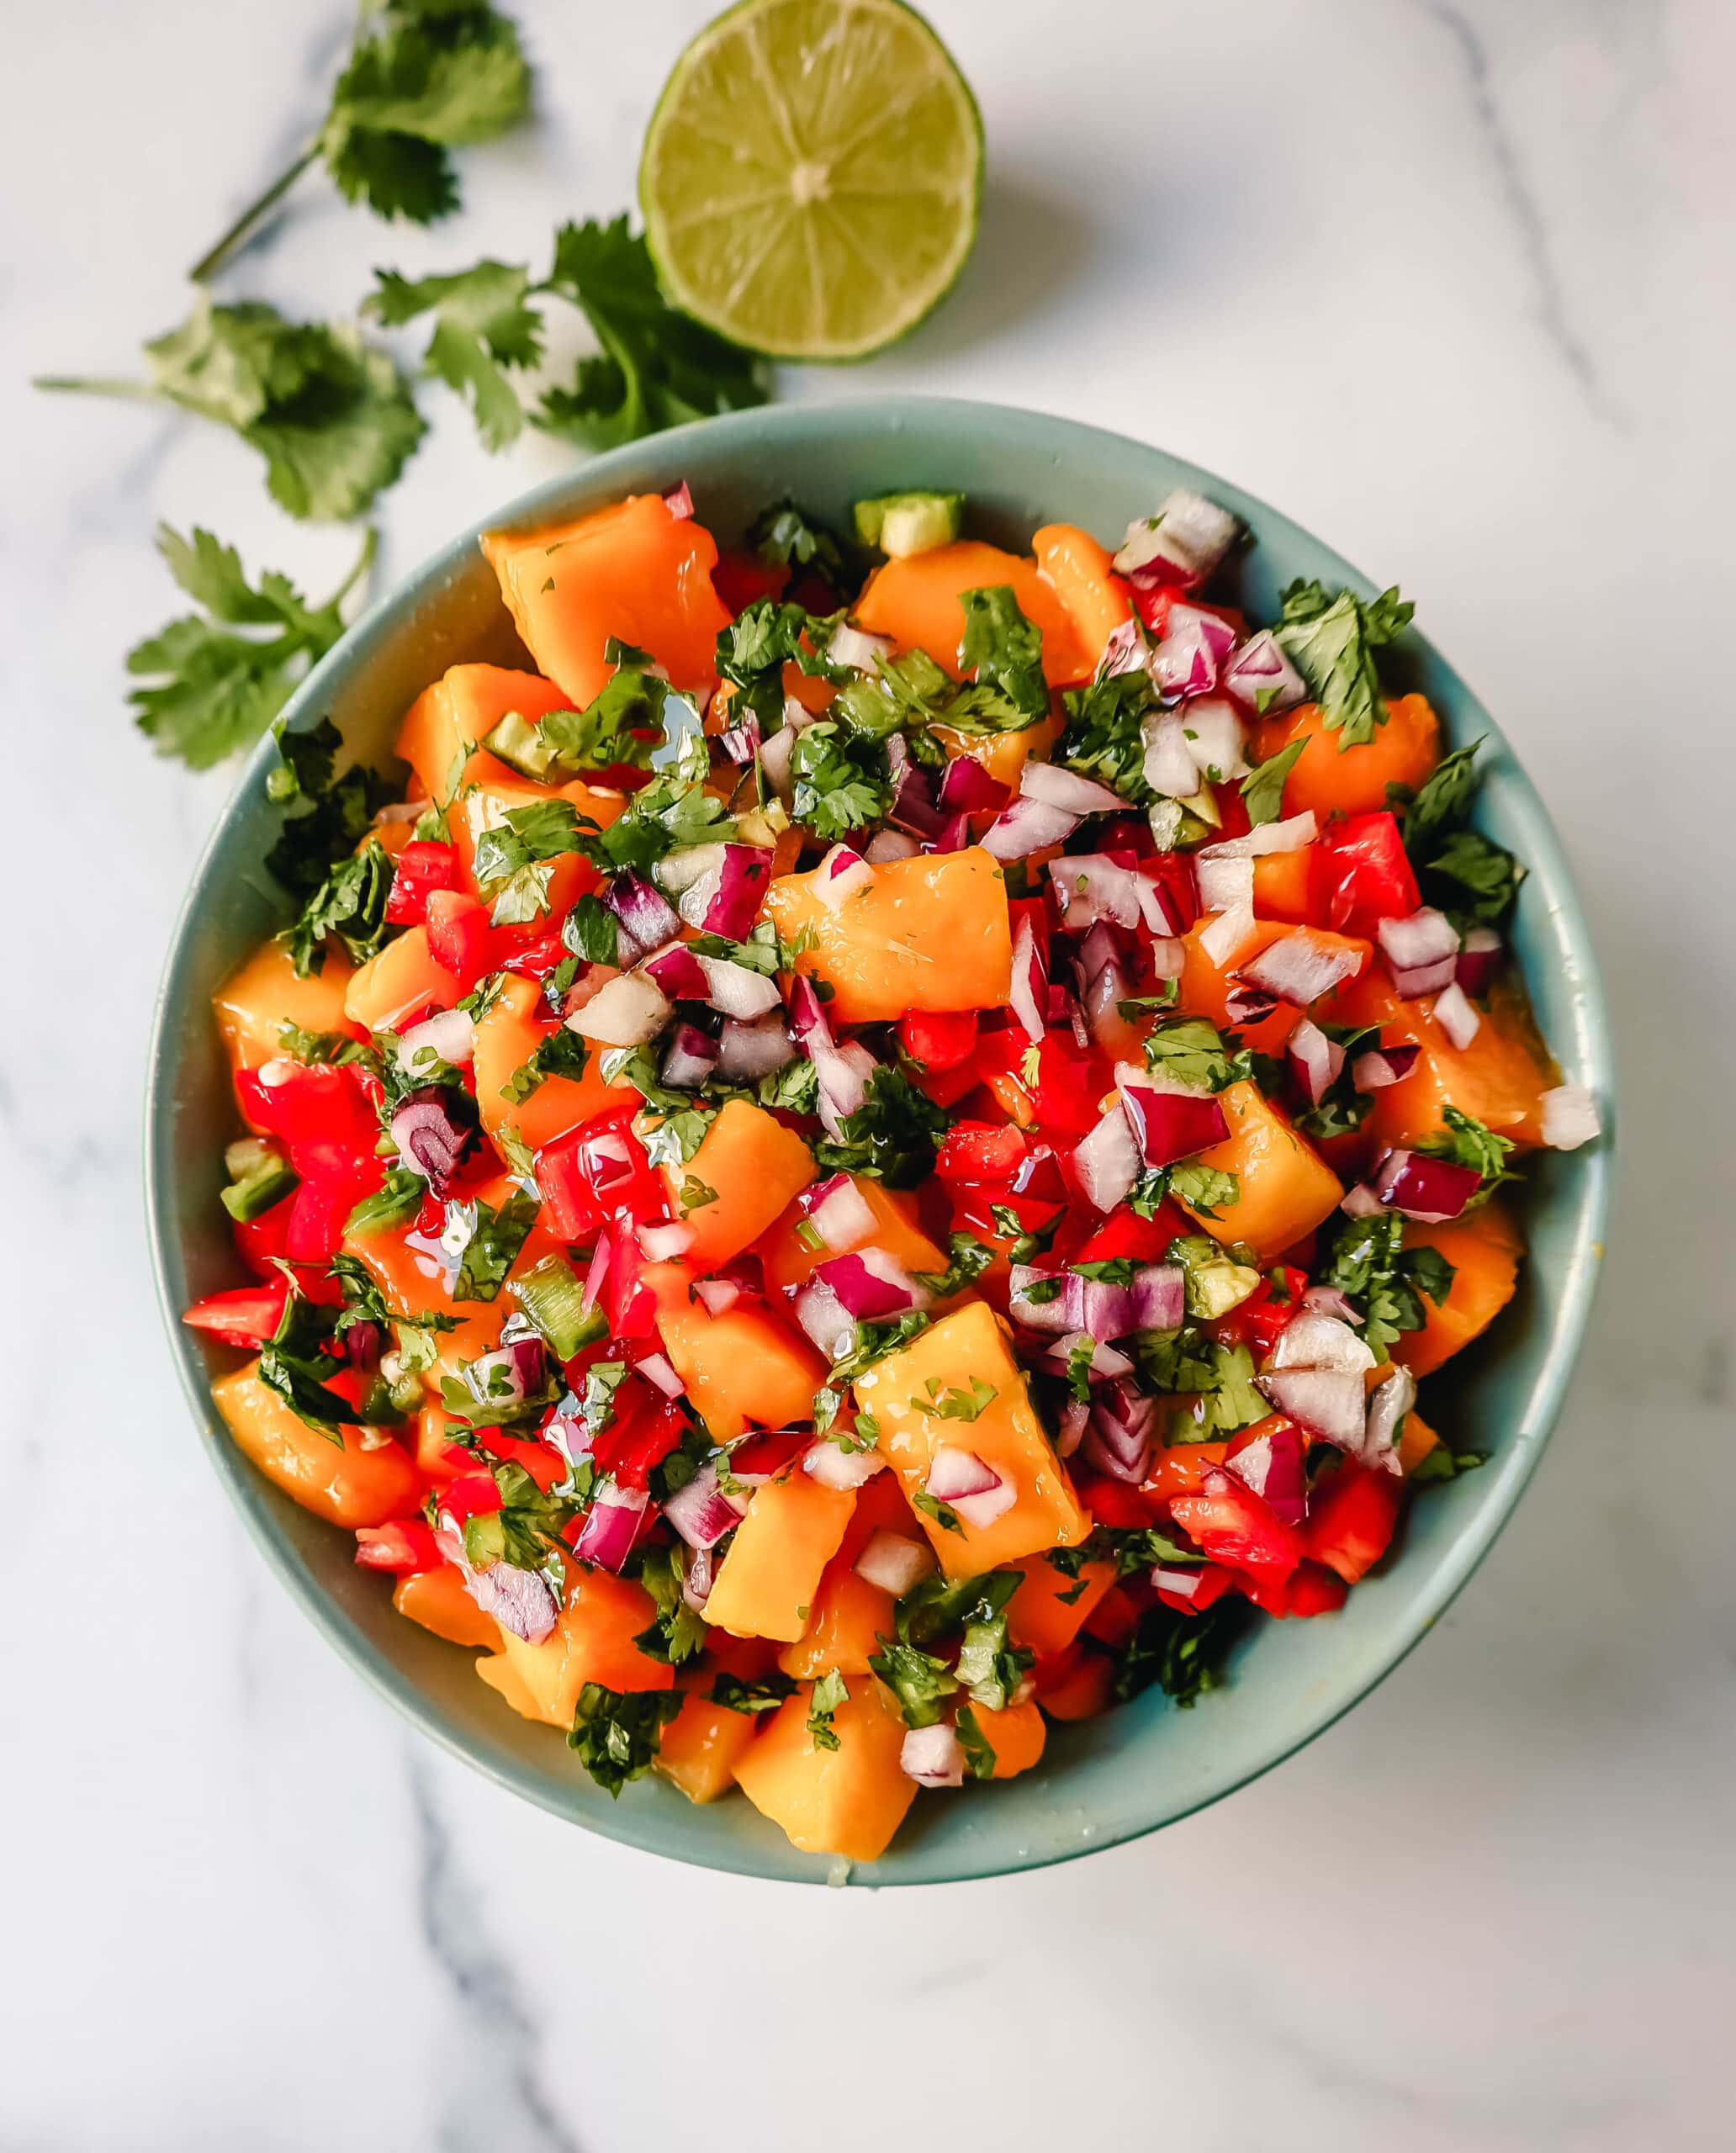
635, 1825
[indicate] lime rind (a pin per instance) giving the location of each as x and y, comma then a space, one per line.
795, 202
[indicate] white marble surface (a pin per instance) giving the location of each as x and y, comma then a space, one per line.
1452, 282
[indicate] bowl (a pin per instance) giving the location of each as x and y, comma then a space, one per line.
1147, 1763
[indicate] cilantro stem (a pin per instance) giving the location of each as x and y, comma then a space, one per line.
209, 263
95, 385
364, 561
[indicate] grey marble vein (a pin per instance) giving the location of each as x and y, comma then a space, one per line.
1527, 218
498, 2094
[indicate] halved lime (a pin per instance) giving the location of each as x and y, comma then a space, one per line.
811, 176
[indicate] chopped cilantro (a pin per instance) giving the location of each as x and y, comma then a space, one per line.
827, 1694
1004, 649
493, 1248
562, 1054
892, 1137
1368, 1261
1103, 737
617, 1734
841, 781
739, 1693
1333, 641
1262, 788
979, 1756
785, 536
916, 1679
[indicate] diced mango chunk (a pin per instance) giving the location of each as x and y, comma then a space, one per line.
702, 1747
402, 981
342, 1482
508, 1034
437, 1599
849, 1800
767, 1583
1016, 1734
459, 710
1485, 1249
917, 601
592, 1641
633, 571
1050, 1609
929, 934
748, 1167
264, 994
790, 1261
745, 1368
963, 1349
1285, 1188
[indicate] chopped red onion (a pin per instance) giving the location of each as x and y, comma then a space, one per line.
1159, 1297
508, 1375
1361, 1202
913, 807
774, 755
1262, 678
657, 1370
628, 1011
748, 1052
1027, 826
1314, 1061
1455, 1016
679, 501
1570, 1118
1057, 787
967, 789
726, 899
1047, 1313
973, 1490
1295, 833
700, 1512
1299, 967
825, 1319
678, 871
1248, 1005
1168, 1125
1096, 1308
954, 835
1328, 1403
1423, 1187
855, 648
1106, 1163
1312, 1339
833, 1466
1090, 887
1105, 990
1127, 649
611, 1526
520, 1601
449, 1035
894, 1561
664, 1242
1168, 765
740, 742
700, 1577
1106, 1361
1172, 1583
1182, 544
870, 1285
1273, 1464
717, 1296
839, 876
646, 915
430, 1137
1226, 883
1030, 991
597, 1273
1421, 950
890, 845
690, 1058
1388, 1402
1214, 733
676, 972
839, 1213
737, 991
932, 1756
1329, 1300
1480, 959
842, 1073
1376, 1068
1075, 1419
1119, 1439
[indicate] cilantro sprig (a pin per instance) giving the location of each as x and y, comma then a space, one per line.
1333, 640
211, 682
421, 79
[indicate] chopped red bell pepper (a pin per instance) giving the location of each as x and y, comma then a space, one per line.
472, 1494
939, 1041
1124, 1234
534, 960
768, 1450
1113, 1503
1359, 874
1256, 1322
974, 1155
421, 868
740, 579
318, 1212
1351, 1519
259, 1241
246, 1316
643, 1434
406, 1546
321, 1112
596, 1171
1065, 1081
1113, 1619
1229, 1522
459, 935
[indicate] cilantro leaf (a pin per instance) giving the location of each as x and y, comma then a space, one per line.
562, 1054
514, 861
1485, 878
916, 1679
785, 536
493, 1246
892, 1137
1182, 1654
349, 905
1468, 1143
1262, 788
753, 1695
1333, 641
827, 1695
657, 367
1102, 737
1442, 803
1190, 1050
421, 76
482, 327
1004, 649
979, 1754
1368, 1261
678, 1633
841, 781
332, 416
617, 1734
1206, 1190
207, 692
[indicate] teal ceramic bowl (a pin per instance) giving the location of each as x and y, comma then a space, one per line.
1134, 1768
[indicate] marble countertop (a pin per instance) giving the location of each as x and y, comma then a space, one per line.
1454, 284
